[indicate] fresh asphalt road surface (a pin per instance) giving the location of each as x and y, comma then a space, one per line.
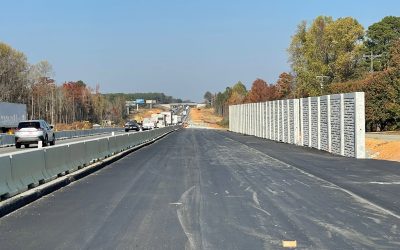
206, 189
13, 149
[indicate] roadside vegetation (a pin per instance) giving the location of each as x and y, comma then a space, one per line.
72, 103
331, 56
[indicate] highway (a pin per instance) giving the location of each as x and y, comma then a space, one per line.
209, 189
12, 149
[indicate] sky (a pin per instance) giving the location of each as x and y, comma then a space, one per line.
180, 47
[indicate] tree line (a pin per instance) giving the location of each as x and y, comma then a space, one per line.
68, 102
158, 97
331, 56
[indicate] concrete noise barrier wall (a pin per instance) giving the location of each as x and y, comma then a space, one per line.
26, 169
333, 123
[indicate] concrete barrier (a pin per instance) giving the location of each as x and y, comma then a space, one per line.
58, 160
120, 141
7, 185
78, 157
104, 148
23, 170
126, 142
28, 169
92, 150
113, 145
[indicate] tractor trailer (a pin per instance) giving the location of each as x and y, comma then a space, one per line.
10, 115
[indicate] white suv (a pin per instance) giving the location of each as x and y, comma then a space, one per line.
33, 131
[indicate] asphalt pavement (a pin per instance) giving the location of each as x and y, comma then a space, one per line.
207, 189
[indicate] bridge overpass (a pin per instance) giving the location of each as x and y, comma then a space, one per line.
183, 104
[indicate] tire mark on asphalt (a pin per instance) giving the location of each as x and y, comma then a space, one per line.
332, 185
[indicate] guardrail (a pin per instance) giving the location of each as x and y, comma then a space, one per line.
24, 170
8, 140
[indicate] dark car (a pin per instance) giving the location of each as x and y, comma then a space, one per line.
132, 125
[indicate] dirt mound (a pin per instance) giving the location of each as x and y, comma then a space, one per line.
205, 117
383, 149
73, 126
140, 114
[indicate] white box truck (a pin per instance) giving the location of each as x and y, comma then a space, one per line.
148, 123
168, 117
176, 119
159, 119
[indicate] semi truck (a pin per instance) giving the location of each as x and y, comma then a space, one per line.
176, 119
160, 120
168, 117
10, 115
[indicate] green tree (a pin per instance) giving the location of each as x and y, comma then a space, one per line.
221, 102
380, 37
329, 48
13, 75
343, 39
208, 98
237, 94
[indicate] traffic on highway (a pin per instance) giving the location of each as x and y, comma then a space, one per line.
200, 125
210, 189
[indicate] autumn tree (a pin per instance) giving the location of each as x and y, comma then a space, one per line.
42, 87
394, 54
284, 86
382, 93
237, 94
258, 91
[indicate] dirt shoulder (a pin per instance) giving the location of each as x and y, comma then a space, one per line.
383, 146
204, 118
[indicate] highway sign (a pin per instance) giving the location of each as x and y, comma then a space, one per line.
130, 103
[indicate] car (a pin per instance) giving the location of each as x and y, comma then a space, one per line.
132, 125
33, 131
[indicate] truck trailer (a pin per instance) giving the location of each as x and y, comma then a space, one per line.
168, 117
10, 115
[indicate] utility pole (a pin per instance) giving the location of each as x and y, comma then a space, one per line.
321, 80
372, 57
52, 105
